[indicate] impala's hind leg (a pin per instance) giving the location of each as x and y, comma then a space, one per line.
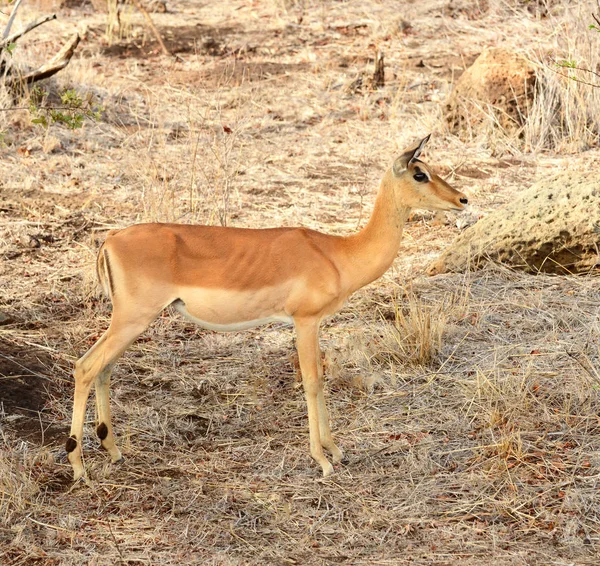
324, 427
104, 428
96, 365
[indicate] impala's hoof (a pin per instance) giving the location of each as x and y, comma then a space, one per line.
79, 477
80, 482
119, 460
327, 470
337, 455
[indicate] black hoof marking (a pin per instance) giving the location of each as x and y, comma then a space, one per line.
102, 431
71, 444
345, 460
121, 460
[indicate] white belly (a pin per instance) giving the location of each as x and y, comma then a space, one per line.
231, 326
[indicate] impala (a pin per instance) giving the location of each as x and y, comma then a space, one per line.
229, 279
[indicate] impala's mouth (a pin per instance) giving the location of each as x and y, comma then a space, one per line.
455, 208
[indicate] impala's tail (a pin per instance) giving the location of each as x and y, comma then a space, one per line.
103, 270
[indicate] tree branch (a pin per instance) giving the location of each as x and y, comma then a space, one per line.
575, 79
154, 29
12, 38
11, 19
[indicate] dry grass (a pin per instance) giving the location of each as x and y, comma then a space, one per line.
417, 330
467, 405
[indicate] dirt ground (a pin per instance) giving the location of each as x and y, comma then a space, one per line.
264, 115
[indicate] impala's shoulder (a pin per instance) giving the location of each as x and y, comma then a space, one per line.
325, 246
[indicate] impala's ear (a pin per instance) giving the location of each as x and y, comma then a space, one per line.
409, 155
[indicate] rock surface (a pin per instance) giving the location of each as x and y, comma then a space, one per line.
553, 227
496, 91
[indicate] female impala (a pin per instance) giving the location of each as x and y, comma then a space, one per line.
233, 278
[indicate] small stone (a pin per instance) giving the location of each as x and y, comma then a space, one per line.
5, 319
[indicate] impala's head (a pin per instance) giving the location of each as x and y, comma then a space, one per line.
417, 186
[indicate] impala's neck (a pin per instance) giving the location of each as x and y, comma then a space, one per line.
374, 248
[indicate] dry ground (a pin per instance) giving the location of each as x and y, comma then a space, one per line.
488, 453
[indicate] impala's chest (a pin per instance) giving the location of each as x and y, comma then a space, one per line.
227, 310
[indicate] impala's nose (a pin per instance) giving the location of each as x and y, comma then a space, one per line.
464, 200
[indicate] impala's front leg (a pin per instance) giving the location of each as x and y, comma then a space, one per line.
309, 356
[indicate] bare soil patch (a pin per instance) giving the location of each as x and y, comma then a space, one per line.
26, 388
179, 39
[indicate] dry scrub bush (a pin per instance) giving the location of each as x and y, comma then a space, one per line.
415, 335
565, 114
409, 331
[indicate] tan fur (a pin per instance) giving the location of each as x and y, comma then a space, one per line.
231, 278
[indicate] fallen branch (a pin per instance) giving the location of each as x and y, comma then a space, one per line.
58, 62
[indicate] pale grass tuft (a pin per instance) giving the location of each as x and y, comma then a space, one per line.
205, 191
17, 486
415, 335
215, 167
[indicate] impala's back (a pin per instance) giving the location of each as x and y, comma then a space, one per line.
221, 278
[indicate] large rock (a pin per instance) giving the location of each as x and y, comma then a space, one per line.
496, 90
552, 227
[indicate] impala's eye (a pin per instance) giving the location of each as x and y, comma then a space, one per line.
421, 177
